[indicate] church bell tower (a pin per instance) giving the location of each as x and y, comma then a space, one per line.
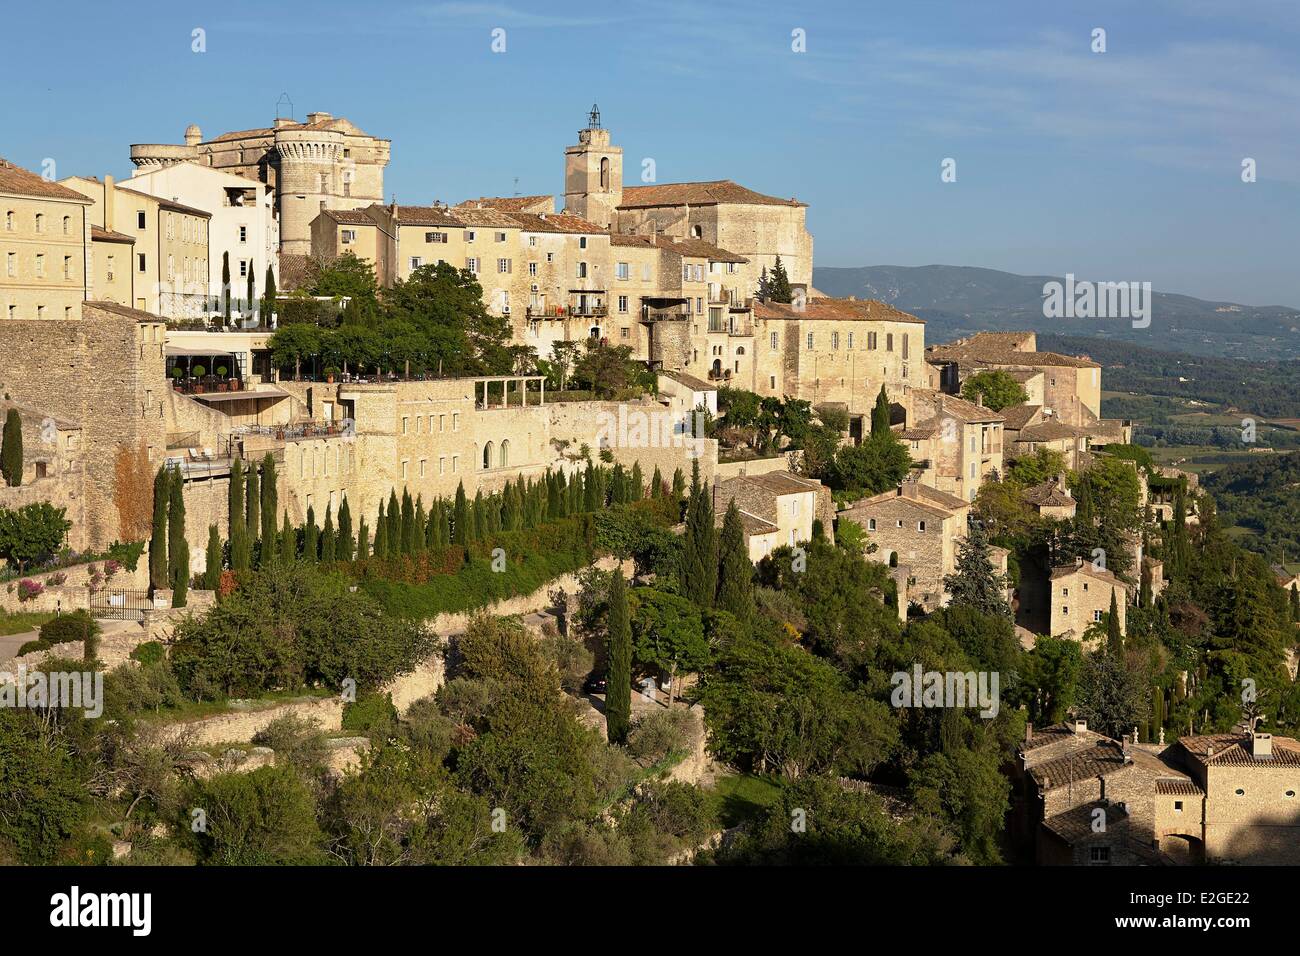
593, 174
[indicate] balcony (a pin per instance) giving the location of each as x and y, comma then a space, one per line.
677, 313
588, 311
535, 313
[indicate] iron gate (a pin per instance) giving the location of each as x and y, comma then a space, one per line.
117, 604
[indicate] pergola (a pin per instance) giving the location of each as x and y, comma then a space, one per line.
521, 389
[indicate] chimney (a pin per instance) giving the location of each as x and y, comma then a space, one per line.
1080, 727
283, 121
108, 202
1029, 732
1261, 746
319, 117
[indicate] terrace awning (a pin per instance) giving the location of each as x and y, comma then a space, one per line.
271, 393
180, 351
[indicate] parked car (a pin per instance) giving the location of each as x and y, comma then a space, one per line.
594, 684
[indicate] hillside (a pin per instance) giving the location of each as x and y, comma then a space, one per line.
1261, 495
960, 300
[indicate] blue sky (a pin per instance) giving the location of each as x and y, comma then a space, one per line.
1123, 165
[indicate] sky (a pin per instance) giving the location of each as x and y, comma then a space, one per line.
1122, 165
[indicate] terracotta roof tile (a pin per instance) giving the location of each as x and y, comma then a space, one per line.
556, 222
23, 182
848, 310
98, 233
697, 194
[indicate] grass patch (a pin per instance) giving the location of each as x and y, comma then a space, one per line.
22, 621
742, 797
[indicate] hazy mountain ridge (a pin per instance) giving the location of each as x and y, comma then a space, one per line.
960, 300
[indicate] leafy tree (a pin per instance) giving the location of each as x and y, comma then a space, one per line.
1034, 469
263, 818
11, 449
995, 389
33, 532
1112, 698
876, 465
669, 635
42, 788
618, 683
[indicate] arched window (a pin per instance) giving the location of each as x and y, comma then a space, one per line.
697, 232
487, 455
740, 350
505, 452
604, 172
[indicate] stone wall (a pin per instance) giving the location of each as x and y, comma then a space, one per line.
241, 726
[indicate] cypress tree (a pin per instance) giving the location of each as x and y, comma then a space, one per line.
270, 507
1157, 712
618, 486
363, 540
636, 487
618, 687
460, 517
225, 287
253, 497
477, 518
510, 508
178, 551
311, 538
590, 490
1144, 586
880, 413
1295, 603
700, 571
679, 485
421, 523
735, 571
1114, 640
381, 533
393, 533
268, 287
408, 524
241, 556
212, 572
11, 449
158, 533
288, 541
251, 289
573, 500
657, 484
347, 544
552, 496
328, 542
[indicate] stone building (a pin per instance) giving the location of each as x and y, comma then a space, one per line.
243, 225
324, 163
918, 527
1080, 598
113, 263
54, 467
46, 270
777, 509
170, 254
1051, 499
955, 444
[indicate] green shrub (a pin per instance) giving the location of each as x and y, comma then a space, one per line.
66, 628
150, 652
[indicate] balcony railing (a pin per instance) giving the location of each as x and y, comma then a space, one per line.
588, 311
672, 314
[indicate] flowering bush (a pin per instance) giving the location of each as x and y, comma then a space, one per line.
57, 580
29, 590
111, 568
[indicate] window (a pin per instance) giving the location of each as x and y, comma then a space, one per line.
582, 242
40, 222
621, 270
406, 466
582, 270
9, 221
422, 464
469, 235
442, 464
774, 340
622, 303
110, 268
472, 265
139, 219
455, 421
1240, 792
416, 262
1065, 592
532, 240
771, 381
500, 237
11, 264
349, 236
625, 332
40, 311
243, 233
435, 237
1065, 609
810, 341
67, 225
920, 526
835, 340
532, 268
1099, 855
442, 423
171, 268
406, 424
139, 258
455, 464
871, 524
889, 341
504, 265
1096, 616
40, 265
550, 257
871, 341
243, 268
1178, 806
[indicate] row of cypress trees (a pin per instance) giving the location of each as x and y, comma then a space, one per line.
169, 553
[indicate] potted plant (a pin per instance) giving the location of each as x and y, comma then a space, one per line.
330, 372
198, 372
177, 372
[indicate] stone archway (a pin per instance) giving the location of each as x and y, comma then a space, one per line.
487, 456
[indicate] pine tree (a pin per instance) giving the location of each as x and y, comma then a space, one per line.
270, 508
178, 551
880, 413
976, 583
328, 540
288, 542
311, 538
735, 570
1114, 639
618, 684
212, 570
778, 284
158, 535
347, 544
11, 449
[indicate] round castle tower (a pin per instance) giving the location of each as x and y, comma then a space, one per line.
312, 171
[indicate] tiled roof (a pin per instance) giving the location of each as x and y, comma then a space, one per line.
1104, 757
1048, 431
487, 218
894, 498
957, 407
844, 310
699, 249
1045, 736
126, 311
507, 203
620, 239
108, 235
249, 133
1178, 788
1048, 494
555, 222
23, 182
922, 430
1234, 750
1086, 567
167, 203
751, 523
697, 194
690, 381
295, 271
426, 216
1076, 824
1018, 416
353, 217
779, 482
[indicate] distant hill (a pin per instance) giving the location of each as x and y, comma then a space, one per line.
959, 300
1263, 496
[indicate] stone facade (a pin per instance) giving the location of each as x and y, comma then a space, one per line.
776, 508
324, 163
955, 444
45, 246
1080, 596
